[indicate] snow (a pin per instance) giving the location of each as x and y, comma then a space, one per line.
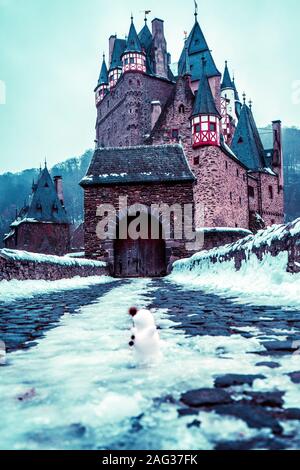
14, 290
258, 282
224, 229
92, 375
18, 255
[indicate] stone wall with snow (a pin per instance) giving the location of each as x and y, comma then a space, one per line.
272, 241
22, 265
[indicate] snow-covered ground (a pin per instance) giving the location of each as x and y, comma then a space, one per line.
263, 282
89, 387
14, 290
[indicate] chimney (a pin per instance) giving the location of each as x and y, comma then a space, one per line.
59, 188
155, 112
159, 48
277, 148
112, 40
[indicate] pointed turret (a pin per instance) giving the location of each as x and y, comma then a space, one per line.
205, 116
102, 86
117, 47
197, 48
247, 144
186, 68
145, 37
227, 82
133, 57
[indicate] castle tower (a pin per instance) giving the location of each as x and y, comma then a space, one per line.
205, 117
228, 93
133, 57
102, 86
116, 48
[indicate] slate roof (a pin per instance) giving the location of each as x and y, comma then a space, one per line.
205, 103
133, 42
227, 82
143, 164
145, 37
236, 95
247, 144
198, 48
103, 77
45, 205
118, 50
186, 66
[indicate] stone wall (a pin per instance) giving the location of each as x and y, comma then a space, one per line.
24, 270
35, 237
272, 241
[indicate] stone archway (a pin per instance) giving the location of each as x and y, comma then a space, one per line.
140, 258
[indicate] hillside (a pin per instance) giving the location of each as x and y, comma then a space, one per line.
15, 188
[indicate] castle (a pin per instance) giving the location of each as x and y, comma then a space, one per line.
183, 137
42, 225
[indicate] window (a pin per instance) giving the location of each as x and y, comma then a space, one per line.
240, 141
126, 61
181, 109
240, 201
132, 60
175, 133
197, 128
212, 127
271, 192
237, 173
196, 160
251, 191
226, 165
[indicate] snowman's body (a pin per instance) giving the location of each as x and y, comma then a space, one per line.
2, 354
145, 338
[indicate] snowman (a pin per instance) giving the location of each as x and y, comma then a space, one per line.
144, 335
2, 353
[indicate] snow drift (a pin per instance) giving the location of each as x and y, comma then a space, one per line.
253, 270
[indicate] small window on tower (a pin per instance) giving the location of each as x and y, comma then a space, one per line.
251, 191
196, 161
175, 133
212, 127
197, 128
240, 141
126, 61
271, 192
181, 109
132, 60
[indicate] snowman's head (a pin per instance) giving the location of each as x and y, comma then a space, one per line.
143, 319
133, 311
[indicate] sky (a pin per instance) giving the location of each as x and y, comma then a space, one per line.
51, 53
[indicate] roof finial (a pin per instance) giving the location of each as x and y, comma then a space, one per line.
250, 104
147, 12
103, 56
45, 162
244, 97
131, 17
196, 11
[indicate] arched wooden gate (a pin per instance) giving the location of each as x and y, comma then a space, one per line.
140, 258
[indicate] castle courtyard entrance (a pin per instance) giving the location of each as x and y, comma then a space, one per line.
140, 258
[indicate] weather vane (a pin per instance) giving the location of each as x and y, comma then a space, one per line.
196, 10
146, 12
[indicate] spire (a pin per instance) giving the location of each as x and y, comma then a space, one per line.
236, 95
247, 144
197, 47
133, 42
227, 82
103, 77
205, 103
196, 11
